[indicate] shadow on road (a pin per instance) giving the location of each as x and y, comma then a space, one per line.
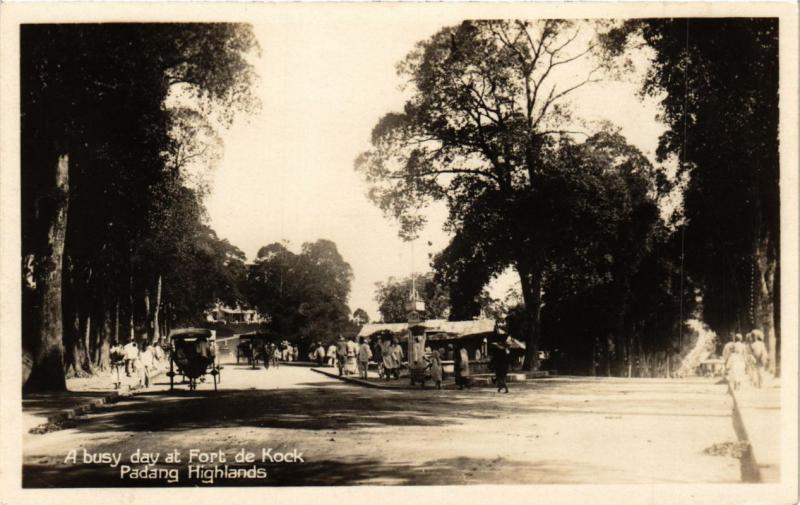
314, 407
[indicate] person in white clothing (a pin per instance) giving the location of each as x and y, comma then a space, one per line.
131, 352
364, 355
147, 365
332, 355
351, 366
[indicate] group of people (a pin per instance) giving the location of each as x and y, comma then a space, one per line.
286, 352
745, 356
351, 357
275, 353
140, 360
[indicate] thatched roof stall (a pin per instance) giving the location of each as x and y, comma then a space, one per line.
435, 330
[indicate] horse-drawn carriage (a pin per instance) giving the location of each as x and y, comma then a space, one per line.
193, 355
253, 347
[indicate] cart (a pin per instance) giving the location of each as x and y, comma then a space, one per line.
254, 348
193, 356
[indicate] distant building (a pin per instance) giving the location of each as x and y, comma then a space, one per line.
226, 315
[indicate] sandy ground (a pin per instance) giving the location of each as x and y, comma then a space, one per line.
566, 430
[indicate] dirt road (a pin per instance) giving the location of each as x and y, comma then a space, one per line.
566, 430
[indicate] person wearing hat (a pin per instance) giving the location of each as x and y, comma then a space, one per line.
727, 349
331, 355
735, 364
351, 366
319, 353
364, 355
131, 351
341, 354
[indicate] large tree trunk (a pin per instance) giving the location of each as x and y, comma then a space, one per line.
132, 327
77, 306
608, 354
72, 354
47, 370
156, 310
531, 280
147, 314
87, 344
764, 296
78, 359
101, 350
116, 321
620, 337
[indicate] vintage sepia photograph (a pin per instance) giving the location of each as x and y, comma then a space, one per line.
292, 250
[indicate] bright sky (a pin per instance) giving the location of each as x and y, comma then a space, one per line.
287, 173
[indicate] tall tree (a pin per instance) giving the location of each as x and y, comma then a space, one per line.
393, 296
487, 108
719, 82
360, 316
305, 293
96, 95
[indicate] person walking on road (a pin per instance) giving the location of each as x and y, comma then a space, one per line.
131, 352
377, 355
387, 359
461, 368
147, 362
364, 355
331, 355
397, 357
351, 366
341, 354
435, 365
735, 364
319, 354
500, 363
276, 356
760, 356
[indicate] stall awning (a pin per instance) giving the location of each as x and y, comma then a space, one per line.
436, 329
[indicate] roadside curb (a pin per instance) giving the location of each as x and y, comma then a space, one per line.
750, 468
480, 380
373, 385
57, 421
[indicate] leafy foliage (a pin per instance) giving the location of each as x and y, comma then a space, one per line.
485, 131
100, 93
721, 104
393, 296
360, 316
305, 294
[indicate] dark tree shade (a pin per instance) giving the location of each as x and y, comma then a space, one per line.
721, 105
95, 93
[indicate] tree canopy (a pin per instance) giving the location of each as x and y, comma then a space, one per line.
305, 294
393, 296
719, 82
488, 130
94, 102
